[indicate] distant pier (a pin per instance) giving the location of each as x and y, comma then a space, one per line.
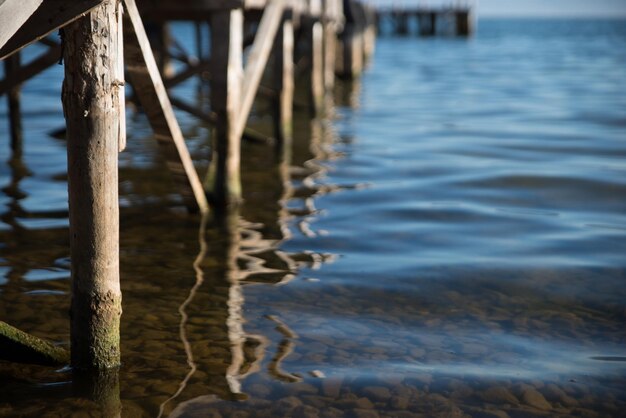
456, 20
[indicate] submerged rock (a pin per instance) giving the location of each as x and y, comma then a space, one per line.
535, 399
377, 393
499, 395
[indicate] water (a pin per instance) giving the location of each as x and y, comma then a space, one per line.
450, 243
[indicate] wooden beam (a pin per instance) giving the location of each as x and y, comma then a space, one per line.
189, 71
196, 10
257, 60
13, 14
28, 71
20, 347
144, 74
49, 16
211, 119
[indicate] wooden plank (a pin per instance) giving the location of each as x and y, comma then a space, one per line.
211, 119
223, 182
189, 71
257, 60
18, 346
144, 74
195, 10
28, 71
51, 15
13, 14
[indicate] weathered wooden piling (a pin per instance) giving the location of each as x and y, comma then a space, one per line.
315, 33
402, 23
463, 22
331, 22
350, 52
369, 32
223, 182
91, 90
427, 23
283, 84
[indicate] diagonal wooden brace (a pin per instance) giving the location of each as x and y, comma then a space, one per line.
144, 75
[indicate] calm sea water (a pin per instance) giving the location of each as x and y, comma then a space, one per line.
451, 242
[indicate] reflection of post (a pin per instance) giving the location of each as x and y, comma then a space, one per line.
237, 370
234, 320
182, 310
285, 347
11, 66
101, 387
285, 179
348, 93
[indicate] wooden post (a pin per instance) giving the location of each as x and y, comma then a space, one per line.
330, 44
463, 23
223, 182
316, 58
402, 19
90, 103
160, 41
284, 84
433, 23
369, 32
350, 53
427, 23
353, 51
11, 68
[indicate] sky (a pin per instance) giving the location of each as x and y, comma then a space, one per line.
552, 8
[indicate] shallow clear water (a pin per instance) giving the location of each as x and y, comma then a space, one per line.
450, 243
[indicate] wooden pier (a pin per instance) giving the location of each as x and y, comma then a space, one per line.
105, 44
456, 20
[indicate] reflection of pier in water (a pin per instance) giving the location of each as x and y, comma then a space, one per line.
235, 253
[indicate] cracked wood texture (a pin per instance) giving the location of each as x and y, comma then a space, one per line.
91, 103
